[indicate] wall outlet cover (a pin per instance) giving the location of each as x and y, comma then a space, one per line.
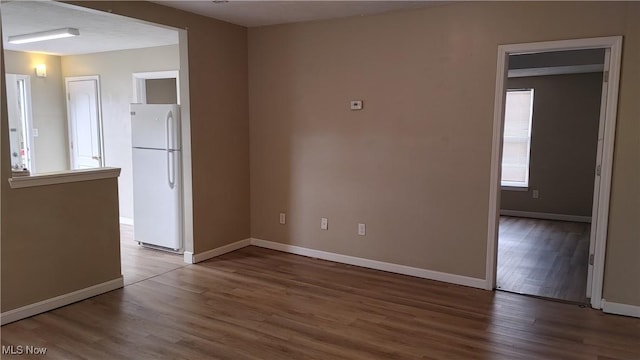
362, 230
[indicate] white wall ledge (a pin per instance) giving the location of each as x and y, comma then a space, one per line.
63, 177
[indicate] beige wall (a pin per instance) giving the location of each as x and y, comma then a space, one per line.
623, 247
161, 91
219, 119
414, 164
564, 140
116, 69
61, 238
49, 111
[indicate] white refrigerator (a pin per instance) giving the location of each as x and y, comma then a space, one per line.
157, 176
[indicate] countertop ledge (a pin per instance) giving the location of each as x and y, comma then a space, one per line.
62, 177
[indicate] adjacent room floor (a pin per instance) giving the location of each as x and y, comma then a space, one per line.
256, 303
140, 263
543, 258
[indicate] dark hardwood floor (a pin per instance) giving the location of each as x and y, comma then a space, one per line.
543, 258
256, 303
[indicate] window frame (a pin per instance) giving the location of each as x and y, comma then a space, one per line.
517, 185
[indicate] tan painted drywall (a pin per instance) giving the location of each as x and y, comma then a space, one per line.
414, 164
219, 119
61, 238
161, 91
116, 69
622, 272
49, 110
564, 140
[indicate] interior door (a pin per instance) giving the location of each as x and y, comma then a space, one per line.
596, 187
85, 130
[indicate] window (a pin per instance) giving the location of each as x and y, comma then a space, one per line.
20, 133
517, 138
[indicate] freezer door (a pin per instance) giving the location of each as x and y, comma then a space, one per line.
155, 126
157, 198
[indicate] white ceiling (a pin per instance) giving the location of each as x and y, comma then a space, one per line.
98, 31
268, 12
107, 32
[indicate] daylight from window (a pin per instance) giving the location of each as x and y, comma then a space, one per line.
517, 138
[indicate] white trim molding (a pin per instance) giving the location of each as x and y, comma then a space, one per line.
556, 70
59, 301
372, 264
620, 309
191, 258
126, 220
62, 177
188, 257
546, 216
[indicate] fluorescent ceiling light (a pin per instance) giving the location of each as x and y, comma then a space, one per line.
43, 35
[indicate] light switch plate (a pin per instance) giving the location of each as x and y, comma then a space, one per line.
283, 218
324, 224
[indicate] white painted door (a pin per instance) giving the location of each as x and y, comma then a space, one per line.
85, 130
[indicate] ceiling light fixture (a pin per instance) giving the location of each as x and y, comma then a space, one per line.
43, 35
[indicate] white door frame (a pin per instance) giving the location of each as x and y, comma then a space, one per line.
140, 85
605, 163
67, 80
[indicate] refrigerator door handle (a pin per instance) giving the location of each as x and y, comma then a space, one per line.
170, 162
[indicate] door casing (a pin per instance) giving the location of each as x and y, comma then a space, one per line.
602, 191
70, 125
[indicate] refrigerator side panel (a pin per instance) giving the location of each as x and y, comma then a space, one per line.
156, 204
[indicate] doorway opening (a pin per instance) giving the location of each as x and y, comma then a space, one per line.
540, 241
96, 68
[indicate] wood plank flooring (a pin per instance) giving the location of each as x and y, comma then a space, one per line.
140, 263
256, 303
543, 258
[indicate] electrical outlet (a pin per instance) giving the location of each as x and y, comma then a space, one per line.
324, 224
535, 194
283, 218
362, 231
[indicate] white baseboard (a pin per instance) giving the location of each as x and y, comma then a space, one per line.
620, 309
126, 220
546, 216
373, 264
191, 258
59, 301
